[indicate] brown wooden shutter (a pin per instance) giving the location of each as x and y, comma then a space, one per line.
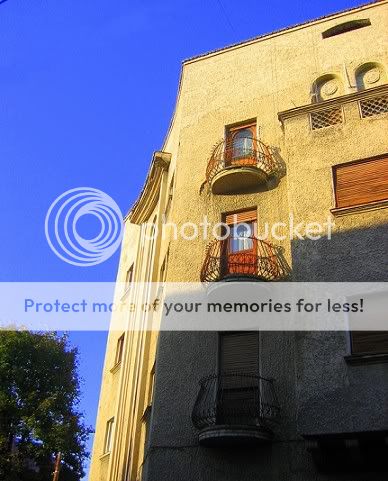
369, 342
244, 216
361, 182
239, 352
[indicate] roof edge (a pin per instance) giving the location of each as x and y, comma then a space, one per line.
274, 33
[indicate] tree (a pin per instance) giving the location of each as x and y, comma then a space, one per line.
39, 415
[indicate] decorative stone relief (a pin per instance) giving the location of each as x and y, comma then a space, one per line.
330, 87
372, 76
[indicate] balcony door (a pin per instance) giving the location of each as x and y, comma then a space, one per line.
241, 145
240, 248
238, 394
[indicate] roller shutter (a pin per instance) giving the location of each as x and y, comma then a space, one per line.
361, 182
244, 216
369, 342
239, 352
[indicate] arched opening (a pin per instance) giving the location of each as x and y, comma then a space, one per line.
326, 87
346, 27
370, 75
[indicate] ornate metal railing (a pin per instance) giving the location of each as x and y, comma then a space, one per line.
235, 399
263, 261
249, 153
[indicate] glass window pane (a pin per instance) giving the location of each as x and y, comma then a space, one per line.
241, 237
243, 143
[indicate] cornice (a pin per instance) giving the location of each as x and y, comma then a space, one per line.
149, 195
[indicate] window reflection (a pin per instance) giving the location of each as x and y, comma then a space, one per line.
241, 237
243, 143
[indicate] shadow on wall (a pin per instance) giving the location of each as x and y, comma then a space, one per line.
357, 255
279, 171
281, 166
284, 267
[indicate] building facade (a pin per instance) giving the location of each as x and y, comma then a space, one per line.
293, 122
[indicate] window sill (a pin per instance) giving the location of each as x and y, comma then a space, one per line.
358, 359
354, 209
374, 116
146, 413
116, 367
104, 456
125, 294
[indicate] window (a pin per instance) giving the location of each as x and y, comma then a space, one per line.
361, 183
240, 144
152, 236
346, 27
108, 436
239, 352
119, 349
369, 342
163, 268
242, 237
374, 106
169, 199
240, 249
326, 118
151, 385
238, 387
128, 278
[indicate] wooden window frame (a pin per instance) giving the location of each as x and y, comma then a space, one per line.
241, 261
234, 128
372, 205
231, 131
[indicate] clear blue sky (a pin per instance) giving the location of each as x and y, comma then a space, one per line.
87, 92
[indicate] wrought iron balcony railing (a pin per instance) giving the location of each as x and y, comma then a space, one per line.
236, 400
255, 259
247, 153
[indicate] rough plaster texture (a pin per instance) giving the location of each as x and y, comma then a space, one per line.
318, 392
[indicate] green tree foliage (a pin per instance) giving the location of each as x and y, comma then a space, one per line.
39, 415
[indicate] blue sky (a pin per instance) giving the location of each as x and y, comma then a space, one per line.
87, 92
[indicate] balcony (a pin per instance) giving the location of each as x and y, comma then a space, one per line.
235, 409
240, 167
243, 258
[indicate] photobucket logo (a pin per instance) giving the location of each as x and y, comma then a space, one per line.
62, 233
280, 231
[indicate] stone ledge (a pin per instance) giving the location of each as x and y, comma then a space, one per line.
354, 209
359, 359
337, 101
